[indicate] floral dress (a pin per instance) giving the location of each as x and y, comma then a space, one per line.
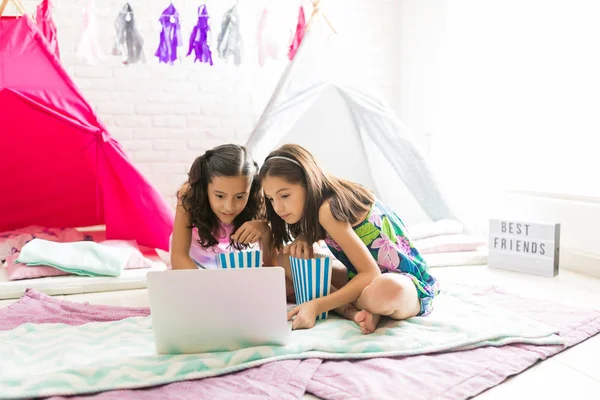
384, 234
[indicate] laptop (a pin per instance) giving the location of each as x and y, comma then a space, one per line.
199, 311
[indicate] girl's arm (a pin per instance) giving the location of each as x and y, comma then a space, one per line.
268, 247
182, 237
300, 248
258, 231
357, 253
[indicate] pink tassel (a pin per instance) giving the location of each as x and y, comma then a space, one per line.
89, 47
300, 28
267, 47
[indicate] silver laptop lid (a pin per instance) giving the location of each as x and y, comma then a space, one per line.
196, 311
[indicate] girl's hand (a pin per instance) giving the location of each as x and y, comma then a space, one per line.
250, 232
299, 248
306, 315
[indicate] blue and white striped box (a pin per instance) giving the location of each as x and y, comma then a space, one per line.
240, 259
311, 278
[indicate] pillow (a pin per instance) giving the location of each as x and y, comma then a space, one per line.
448, 244
12, 244
165, 257
431, 229
456, 259
18, 271
13, 241
81, 258
136, 258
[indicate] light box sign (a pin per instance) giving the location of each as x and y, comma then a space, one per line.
529, 247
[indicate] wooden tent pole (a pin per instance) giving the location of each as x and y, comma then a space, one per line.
316, 10
17, 3
19, 6
3, 6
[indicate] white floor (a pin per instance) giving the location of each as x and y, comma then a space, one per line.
573, 373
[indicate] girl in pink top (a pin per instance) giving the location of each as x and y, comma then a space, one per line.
220, 209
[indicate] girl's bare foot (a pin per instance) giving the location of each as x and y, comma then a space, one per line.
367, 321
364, 319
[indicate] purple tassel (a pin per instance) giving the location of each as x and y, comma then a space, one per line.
170, 36
199, 38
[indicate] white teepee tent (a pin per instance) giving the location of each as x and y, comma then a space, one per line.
317, 105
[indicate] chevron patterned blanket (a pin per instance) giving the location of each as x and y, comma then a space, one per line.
38, 360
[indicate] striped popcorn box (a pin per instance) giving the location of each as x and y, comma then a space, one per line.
240, 259
312, 279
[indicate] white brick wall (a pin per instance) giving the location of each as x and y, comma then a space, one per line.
165, 116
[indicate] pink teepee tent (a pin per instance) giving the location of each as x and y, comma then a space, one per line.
59, 167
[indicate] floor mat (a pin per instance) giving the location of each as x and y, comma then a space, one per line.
58, 359
454, 375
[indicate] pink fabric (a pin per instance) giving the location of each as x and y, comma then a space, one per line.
13, 241
457, 375
17, 271
285, 380
448, 244
37, 308
43, 18
300, 28
65, 169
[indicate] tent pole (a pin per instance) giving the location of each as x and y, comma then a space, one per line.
316, 10
3, 6
17, 3
19, 6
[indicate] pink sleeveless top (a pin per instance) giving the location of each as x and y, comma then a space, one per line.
206, 256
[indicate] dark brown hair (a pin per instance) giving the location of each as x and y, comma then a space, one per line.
224, 160
348, 200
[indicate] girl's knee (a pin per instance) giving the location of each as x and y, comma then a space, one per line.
379, 294
387, 285
389, 293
